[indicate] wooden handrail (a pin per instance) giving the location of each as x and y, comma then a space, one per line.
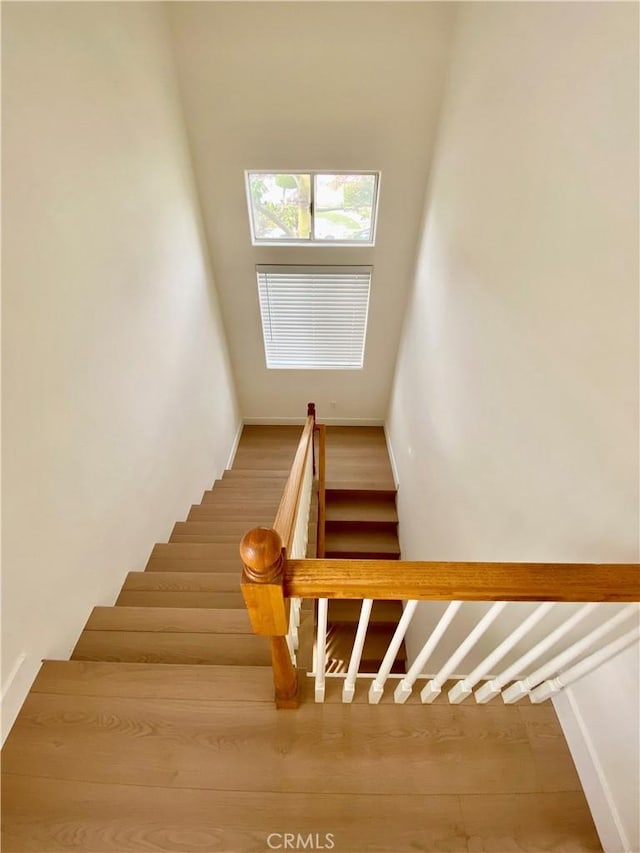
435, 581
285, 521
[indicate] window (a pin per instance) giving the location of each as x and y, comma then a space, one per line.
312, 208
314, 317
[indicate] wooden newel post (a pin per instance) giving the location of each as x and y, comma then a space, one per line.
263, 560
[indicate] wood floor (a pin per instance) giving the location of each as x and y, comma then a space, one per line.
160, 734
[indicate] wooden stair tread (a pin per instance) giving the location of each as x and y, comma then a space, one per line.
41, 808
249, 746
127, 746
241, 498
212, 531
356, 541
236, 511
258, 487
360, 489
361, 509
161, 598
256, 474
169, 619
166, 647
239, 524
248, 518
201, 536
195, 557
182, 582
180, 564
156, 680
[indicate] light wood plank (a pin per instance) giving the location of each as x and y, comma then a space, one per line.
235, 746
182, 581
279, 474
195, 556
358, 455
166, 565
204, 512
369, 510
169, 619
160, 598
42, 814
360, 541
156, 681
558, 822
150, 647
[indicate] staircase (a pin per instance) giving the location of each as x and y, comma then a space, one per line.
186, 607
161, 733
362, 524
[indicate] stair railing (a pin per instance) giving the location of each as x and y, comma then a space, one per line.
553, 585
277, 576
264, 552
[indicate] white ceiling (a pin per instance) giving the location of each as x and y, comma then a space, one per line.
312, 86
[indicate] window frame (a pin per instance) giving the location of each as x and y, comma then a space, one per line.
312, 241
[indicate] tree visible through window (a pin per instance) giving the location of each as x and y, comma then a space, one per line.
312, 207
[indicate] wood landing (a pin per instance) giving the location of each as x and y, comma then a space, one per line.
132, 757
160, 733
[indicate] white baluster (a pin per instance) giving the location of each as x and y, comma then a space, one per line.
321, 649
292, 648
377, 685
296, 604
405, 686
434, 687
554, 685
349, 687
301, 523
492, 688
464, 687
299, 550
524, 686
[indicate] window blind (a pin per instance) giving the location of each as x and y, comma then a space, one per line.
314, 317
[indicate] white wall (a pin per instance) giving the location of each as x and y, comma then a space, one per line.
599, 715
118, 406
312, 86
514, 416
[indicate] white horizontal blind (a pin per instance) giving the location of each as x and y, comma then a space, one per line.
314, 317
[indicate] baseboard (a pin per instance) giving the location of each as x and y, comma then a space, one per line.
392, 458
15, 689
596, 788
327, 421
234, 446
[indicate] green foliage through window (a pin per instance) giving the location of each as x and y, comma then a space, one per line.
312, 207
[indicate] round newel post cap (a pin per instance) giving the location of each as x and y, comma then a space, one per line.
261, 554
